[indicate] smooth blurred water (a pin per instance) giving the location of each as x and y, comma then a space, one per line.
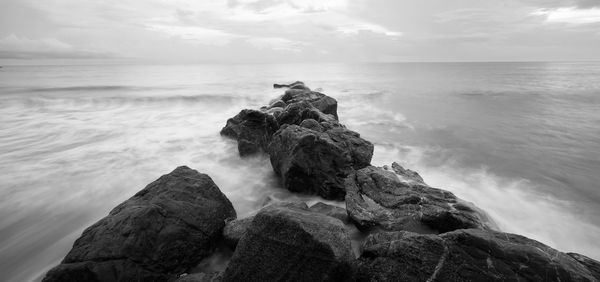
520, 140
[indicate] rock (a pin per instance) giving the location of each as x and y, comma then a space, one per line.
592, 265
292, 244
329, 210
165, 228
278, 104
295, 85
317, 162
200, 277
312, 125
407, 175
320, 101
376, 198
252, 129
297, 112
464, 255
235, 229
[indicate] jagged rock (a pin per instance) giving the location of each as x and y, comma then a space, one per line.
376, 198
167, 227
464, 255
288, 243
317, 162
312, 124
235, 229
329, 210
297, 112
592, 265
252, 129
407, 175
320, 101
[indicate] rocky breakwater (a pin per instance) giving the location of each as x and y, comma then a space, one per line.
414, 232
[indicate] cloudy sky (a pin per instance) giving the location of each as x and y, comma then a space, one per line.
254, 31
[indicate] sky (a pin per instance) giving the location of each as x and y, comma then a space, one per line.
282, 31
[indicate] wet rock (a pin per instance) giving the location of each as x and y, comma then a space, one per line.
235, 229
464, 255
278, 104
292, 244
167, 227
297, 112
591, 264
329, 210
319, 101
312, 124
317, 162
407, 175
200, 277
376, 198
295, 85
252, 129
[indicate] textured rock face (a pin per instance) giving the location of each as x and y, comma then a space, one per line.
315, 162
287, 243
464, 255
407, 175
329, 210
252, 129
376, 198
158, 233
592, 265
235, 229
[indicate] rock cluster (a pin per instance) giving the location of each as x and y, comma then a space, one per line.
414, 232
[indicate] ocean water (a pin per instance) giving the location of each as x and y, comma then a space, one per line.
519, 140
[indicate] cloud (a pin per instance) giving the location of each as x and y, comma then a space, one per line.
570, 15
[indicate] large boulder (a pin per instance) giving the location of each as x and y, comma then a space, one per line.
376, 198
316, 162
464, 255
252, 129
291, 243
164, 229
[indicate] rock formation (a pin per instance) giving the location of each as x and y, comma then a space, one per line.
376, 198
161, 231
414, 232
464, 255
288, 243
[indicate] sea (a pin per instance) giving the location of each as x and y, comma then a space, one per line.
521, 140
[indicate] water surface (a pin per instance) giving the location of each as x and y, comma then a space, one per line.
520, 140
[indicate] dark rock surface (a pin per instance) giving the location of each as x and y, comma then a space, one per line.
319, 101
376, 198
406, 175
235, 229
200, 277
592, 265
317, 162
288, 243
155, 235
252, 129
329, 210
464, 255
